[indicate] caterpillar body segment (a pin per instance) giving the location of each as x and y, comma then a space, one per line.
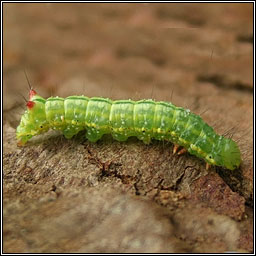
145, 119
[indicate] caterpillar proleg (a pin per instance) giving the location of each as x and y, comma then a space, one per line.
145, 119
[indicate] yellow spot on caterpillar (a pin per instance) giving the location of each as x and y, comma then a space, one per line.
183, 141
197, 149
33, 132
193, 147
212, 161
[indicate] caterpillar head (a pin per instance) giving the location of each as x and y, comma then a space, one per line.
230, 154
33, 121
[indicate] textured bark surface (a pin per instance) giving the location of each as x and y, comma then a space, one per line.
75, 196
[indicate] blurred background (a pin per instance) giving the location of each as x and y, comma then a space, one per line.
195, 55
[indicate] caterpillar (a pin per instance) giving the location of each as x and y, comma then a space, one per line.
145, 119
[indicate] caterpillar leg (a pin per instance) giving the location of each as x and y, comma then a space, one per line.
175, 148
207, 166
69, 132
147, 141
145, 138
68, 135
119, 137
182, 151
93, 134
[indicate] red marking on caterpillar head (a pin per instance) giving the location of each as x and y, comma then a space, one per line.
32, 93
30, 104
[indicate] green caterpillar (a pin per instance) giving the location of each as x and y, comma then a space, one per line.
145, 119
